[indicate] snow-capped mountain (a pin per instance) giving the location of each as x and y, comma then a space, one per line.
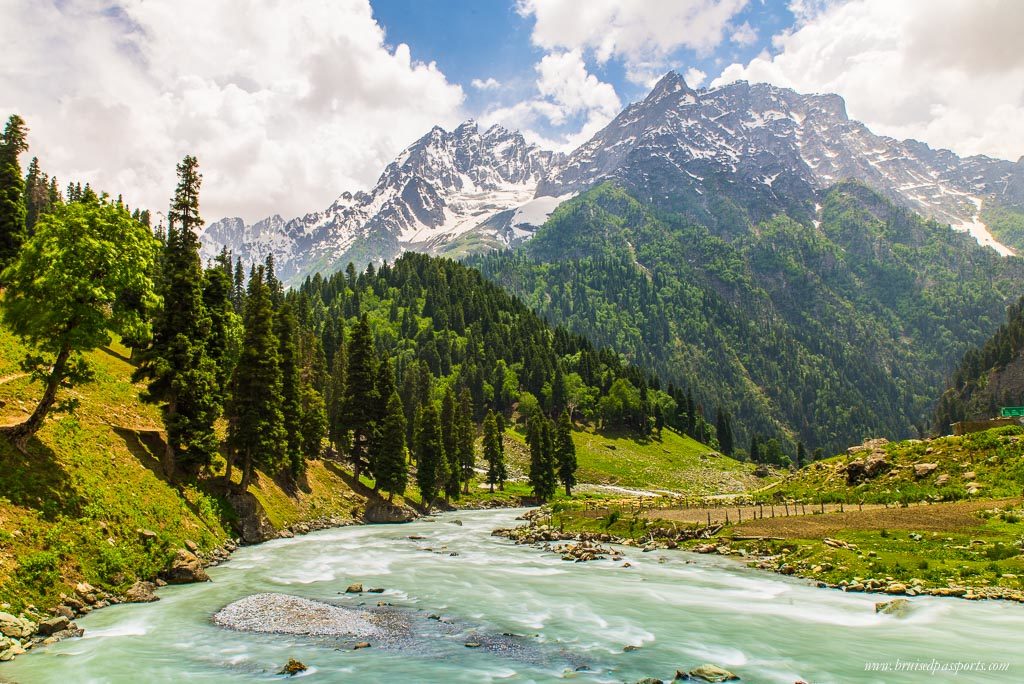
764, 148
445, 190
778, 148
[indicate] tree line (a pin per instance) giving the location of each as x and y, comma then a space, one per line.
400, 369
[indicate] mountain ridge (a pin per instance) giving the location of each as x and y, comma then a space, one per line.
766, 149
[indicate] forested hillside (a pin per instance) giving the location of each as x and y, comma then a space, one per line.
988, 377
821, 334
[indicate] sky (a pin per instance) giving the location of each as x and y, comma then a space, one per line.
288, 103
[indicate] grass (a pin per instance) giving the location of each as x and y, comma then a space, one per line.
669, 463
72, 506
987, 464
975, 544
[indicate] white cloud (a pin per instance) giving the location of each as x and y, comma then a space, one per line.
486, 84
284, 108
947, 72
566, 93
634, 30
744, 34
694, 77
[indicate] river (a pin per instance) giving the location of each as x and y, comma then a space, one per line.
680, 609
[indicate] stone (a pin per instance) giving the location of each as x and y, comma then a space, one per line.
185, 569
896, 607
356, 588
712, 673
65, 611
650, 680
896, 588
15, 627
191, 546
146, 535
53, 625
375, 590
472, 644
360, 644
970, 475
629, 648
942, 480
293, 667
85, 589
141, 592
924, 469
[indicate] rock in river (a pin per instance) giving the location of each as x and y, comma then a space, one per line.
712, 673
285, 614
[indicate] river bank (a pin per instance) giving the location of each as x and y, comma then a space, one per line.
665, 612
967, 550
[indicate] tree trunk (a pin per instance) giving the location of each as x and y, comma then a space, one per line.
492, 487
22, 432
246, 472
568, 490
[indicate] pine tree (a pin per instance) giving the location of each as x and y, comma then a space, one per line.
801, 455
494, 452
222, 342
565, 453
360, 394
37, 195
542, 474
336, 394
238, 291
465, 438
430, 462
314, 422
392, 467
13, 142
449, 438
182, 377
291, 396
559, 393
723, 429
257, 432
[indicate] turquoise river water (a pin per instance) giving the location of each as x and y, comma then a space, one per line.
537, 618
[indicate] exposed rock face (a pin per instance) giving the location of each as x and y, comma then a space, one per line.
778, 147
443, 186
254, 527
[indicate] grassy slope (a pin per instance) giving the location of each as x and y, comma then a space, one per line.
996, 457
70, 509
671, 463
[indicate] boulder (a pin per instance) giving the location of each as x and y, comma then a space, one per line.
146, 535
924, 469
875, 465
185, 569
942, 480
356, 588
855, 472
15, 627
293, 667
712, 673
896, 607
360, 644
191, 546
141, 592
53, 625
384, 513
896, 588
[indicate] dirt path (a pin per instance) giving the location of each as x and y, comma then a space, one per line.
807, 518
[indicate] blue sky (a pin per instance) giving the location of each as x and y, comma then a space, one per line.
493, 40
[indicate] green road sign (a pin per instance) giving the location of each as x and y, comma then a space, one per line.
1011, 411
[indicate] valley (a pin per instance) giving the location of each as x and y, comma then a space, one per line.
700, 382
